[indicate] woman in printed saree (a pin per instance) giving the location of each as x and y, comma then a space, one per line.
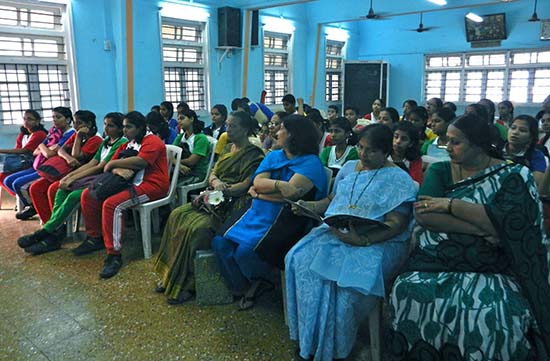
334, 277
261, 234
477, 285
189, 229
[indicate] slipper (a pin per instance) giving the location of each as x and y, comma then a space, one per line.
247, 302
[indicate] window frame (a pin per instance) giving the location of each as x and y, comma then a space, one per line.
507, 68
63, 32
338, 71
204, 66
275, 98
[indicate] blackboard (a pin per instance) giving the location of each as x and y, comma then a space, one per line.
365, 81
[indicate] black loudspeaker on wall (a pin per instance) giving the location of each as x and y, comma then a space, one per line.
255, 23
229, 27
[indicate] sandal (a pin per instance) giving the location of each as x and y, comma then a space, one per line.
248, 301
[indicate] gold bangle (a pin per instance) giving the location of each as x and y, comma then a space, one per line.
276, 185
450, 206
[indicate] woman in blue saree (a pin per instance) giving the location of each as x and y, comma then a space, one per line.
260, 235
477, 286
335, 276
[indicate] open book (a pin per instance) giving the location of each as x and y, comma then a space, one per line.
340, 221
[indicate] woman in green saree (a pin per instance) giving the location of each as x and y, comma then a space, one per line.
477, 285
189, 229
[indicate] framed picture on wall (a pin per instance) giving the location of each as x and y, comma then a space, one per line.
493, 27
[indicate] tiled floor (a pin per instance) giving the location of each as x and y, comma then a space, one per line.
55, 307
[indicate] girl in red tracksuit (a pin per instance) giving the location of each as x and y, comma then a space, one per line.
149, 169
78, 150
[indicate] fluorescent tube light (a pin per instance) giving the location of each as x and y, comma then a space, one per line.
278, 25
438, 2
336, 34
474, 17
183, 11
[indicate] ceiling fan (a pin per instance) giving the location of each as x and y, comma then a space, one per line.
372, 15
421, 28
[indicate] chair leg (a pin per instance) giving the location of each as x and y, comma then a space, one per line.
145, 220
73, 222
182, 195
283, 288
156, 220
375, 326
135, 219
19, 203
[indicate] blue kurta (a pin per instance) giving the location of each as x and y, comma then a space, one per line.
255, 223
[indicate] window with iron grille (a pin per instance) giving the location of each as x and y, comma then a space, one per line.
276, 70
334, 57
183, 54
34, 66
521, 76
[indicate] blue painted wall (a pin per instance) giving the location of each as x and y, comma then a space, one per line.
406, 56
101, 74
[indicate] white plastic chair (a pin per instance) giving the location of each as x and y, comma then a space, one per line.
1, 196
174, 157
73, 221
18, 204
183, 190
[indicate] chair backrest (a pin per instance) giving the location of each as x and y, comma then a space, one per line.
173, 154
328, 172
212, 156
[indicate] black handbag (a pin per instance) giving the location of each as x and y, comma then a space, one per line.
16, 162
108, 184
286, 231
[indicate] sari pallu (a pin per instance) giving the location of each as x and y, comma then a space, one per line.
462, 298
189, 229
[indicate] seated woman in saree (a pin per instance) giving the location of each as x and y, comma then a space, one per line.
477, 285
334, 277
259, 236
189, 229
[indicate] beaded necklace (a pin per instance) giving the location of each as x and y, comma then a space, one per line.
351, 205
